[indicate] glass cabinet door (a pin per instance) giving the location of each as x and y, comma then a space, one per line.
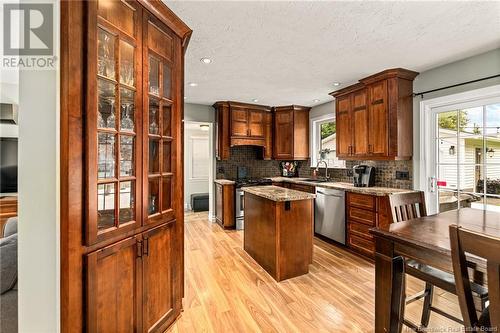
113, 121
160, 160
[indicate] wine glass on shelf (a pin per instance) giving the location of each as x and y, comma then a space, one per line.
111, 118
153, 126
101, 123
127, 123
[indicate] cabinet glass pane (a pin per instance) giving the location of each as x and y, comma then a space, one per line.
127, 202
127, 155
153, 196
167, 157
167, 79
493, 120
106, 117
166, 193
154, 114
105, 54
105, 155
126, 63
127, 115
154, 81
167, 120
154, 156
105, 206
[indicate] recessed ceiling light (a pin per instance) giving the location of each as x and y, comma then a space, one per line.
206, 60
185, 97
316, 100
336, 84
255, 100
193, 84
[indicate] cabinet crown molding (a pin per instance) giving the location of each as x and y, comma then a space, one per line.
292, 107
400, 73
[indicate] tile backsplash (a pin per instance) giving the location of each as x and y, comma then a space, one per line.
251, 157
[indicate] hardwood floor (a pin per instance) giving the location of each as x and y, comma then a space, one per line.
226, 291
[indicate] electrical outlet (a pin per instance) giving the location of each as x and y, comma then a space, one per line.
402, 175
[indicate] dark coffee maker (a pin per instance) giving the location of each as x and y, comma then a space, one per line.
363, 175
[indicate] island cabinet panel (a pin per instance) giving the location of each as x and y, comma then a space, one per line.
121, 145
291, 132
363, 213
225, 205
374, 117
279, 235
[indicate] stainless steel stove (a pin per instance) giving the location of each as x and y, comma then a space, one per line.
240, 197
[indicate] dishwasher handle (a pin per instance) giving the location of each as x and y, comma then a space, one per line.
330, 194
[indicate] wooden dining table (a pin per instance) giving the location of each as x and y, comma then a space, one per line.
426, 240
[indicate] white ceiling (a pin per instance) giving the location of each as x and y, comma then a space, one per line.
292, 52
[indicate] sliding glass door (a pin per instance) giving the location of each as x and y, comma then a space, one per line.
465, 155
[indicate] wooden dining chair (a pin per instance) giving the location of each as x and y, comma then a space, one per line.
486, 247
406, 207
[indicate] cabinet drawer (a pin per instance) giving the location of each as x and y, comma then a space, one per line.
362, 200
362, 215
362, 245
360, 230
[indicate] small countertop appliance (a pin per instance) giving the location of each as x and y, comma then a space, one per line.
363, 176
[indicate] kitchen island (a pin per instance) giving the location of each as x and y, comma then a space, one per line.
279, 226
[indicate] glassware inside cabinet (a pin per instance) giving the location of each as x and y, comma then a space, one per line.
127, 122
127, 202
106, 155
167, 120
154, 76
153, 196
154, 156
105, 54
154, 114
127, 145
105, 206
126, 64
106, 104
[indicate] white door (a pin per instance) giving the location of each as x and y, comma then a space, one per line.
462, 153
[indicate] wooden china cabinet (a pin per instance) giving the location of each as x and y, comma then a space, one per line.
121, 166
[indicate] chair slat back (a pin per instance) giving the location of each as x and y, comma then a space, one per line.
466, 241
407, 206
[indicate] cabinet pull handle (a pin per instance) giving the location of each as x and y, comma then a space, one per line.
146, 246
139, 249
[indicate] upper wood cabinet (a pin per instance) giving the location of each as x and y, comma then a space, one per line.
291, 132
374, 117
241, 124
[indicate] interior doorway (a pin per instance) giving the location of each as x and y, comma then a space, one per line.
198, 166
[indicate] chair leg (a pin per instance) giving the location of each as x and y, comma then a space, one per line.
398, 295
426, 311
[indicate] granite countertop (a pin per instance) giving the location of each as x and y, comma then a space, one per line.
224, 181
378, 191
276, 193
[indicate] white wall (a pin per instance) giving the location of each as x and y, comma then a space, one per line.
192, 135
323, 109
38, 248
199, 112
483, 65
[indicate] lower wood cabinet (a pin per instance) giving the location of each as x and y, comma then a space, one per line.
129, 284
364, 212
225, 205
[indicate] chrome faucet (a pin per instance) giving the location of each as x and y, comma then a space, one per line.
326, 168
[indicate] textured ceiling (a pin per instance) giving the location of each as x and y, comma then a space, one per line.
292, 52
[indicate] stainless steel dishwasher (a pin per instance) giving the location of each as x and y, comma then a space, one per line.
329, 214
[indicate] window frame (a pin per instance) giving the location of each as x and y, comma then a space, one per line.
314, 128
